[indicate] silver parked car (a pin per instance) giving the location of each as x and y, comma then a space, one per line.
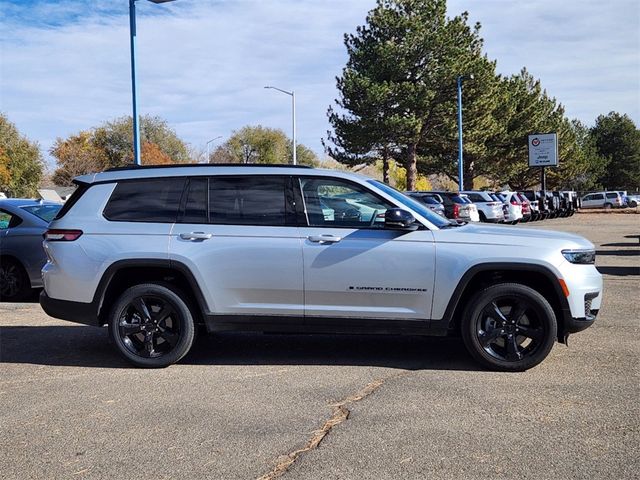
22, 225
154, 251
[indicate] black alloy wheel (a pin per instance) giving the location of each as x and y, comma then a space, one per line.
14, 282
151, 325
509, 327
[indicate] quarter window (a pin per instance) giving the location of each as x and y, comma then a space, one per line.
154, 200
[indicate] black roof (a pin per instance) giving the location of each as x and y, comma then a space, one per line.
183, 165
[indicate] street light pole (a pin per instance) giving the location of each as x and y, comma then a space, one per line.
292, 94
134, 95
134, 87
460, 160
209, 143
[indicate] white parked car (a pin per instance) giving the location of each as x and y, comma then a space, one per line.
489, 209
512, 201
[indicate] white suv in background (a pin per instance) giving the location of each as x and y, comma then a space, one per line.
153, 252
490, 210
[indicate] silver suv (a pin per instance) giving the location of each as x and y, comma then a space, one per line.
154, 252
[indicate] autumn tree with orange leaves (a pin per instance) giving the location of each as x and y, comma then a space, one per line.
111, 145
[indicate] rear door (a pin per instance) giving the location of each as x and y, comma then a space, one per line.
353, 267
238, 236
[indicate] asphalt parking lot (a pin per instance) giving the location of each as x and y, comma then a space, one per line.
329, 407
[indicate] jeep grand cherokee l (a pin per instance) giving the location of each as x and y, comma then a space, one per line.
153, 252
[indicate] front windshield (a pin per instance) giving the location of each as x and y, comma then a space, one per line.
409, 202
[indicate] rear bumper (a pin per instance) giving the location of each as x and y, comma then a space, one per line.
78, 312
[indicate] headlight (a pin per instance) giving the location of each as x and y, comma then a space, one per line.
585, 257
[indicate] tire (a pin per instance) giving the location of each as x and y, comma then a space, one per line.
167, 334
500, 342
608, 206
483, 217
15, 285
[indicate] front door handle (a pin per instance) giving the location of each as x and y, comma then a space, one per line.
195, 236
324, 238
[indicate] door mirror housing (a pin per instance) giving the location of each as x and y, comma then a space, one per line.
399, 219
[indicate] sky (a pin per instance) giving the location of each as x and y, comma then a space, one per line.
202, 64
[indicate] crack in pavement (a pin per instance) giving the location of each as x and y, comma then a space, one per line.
339, 414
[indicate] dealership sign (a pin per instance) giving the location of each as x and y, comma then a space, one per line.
543, 150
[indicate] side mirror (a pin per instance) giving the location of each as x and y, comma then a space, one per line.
399, 219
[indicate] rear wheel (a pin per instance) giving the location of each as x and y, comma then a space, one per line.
14, 281
509, 327
151, 325
608, 206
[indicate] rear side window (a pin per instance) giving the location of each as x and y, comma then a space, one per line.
250, 201
154, 200
612, 195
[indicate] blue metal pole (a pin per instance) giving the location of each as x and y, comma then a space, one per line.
134, 88
460, 161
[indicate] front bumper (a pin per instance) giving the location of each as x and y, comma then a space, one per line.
575, 325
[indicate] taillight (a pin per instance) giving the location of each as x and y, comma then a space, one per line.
513, 202
55, 235
456, 210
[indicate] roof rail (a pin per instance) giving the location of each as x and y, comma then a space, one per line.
183, 165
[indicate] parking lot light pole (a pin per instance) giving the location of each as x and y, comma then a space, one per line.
293, 118
134, 88
460, 160
209, 143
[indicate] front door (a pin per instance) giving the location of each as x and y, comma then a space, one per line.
355, 268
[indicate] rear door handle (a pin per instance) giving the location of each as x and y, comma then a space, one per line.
195, 236
324, 238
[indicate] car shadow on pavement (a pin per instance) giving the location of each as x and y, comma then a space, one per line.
619, 271
620, 253
621, 244
89, 347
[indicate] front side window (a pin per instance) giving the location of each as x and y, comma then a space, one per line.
153, 200
335, 202
250, 201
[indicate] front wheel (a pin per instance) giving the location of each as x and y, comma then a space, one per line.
509, 327
151, 325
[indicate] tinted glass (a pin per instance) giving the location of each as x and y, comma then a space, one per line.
598, 196
195, 206
249, 201
153, 200
476, 197
612, 195
455, 198
44, 212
